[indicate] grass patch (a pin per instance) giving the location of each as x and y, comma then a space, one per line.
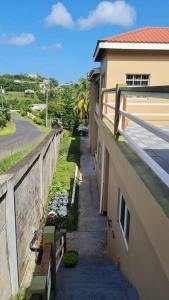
69, 157
11, 160
8, 129
19, 296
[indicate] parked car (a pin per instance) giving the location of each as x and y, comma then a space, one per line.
82, 131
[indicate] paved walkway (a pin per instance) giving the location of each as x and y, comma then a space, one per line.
95, 277
26, 134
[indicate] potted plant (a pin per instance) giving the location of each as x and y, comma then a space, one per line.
70, 259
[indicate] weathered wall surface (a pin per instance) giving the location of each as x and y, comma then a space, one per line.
4, 267
23, 194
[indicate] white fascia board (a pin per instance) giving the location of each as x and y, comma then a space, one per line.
130, 46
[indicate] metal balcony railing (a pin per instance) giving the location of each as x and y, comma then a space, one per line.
116, 113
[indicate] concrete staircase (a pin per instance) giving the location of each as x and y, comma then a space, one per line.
94, 278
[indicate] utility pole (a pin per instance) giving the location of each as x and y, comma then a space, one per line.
47, 98
1, 91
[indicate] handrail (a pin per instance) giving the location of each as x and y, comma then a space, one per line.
158, 170
155, 130
111, 121
61, 237
150, 89
121, 114
104, 90
149, 94
109, 105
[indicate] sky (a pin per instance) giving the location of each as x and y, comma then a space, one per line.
57, 38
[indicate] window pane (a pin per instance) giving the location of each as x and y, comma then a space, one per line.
127, 226
129, 76
122, 212
144, 83
145, 77
129, 83
137, 76
137, 83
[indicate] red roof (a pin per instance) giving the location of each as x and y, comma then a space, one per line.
143, 35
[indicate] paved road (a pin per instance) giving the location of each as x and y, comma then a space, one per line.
26, 134
94, 277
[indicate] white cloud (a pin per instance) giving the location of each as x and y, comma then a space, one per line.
59, 16
109, 13
53, 47
17, 40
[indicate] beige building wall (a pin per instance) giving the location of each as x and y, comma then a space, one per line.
115, 66
118, 65
146, 262
93, 131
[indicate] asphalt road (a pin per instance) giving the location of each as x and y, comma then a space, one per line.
26, 134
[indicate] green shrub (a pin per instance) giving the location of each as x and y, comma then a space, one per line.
23, 113
38, 121
70, 259
3, 120
67, 133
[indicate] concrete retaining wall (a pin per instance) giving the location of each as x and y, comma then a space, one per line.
23, 193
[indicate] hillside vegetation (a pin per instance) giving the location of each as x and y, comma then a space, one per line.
22, 82
67, 104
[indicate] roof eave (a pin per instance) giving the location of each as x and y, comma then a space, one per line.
105, 45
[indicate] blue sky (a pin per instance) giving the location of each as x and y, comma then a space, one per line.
57, 39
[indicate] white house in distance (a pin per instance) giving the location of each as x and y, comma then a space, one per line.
31, 75
29, 92
38, 107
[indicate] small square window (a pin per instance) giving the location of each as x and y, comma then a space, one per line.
137, 79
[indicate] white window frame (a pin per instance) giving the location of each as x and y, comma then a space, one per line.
123, 231
138, 80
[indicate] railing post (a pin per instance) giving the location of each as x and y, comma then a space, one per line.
63, 231
117, 107
123, 124
105, 108
101, 104
49, 237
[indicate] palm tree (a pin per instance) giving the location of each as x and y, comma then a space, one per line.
82, 102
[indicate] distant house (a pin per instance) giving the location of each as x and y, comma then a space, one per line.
129, 99
17, 81
29, 92
61, 86
38, 107
31, 75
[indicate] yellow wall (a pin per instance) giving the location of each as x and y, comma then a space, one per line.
146, 263
118, 65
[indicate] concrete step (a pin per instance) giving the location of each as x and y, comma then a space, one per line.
94, 278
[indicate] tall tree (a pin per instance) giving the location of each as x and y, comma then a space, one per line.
82, 102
